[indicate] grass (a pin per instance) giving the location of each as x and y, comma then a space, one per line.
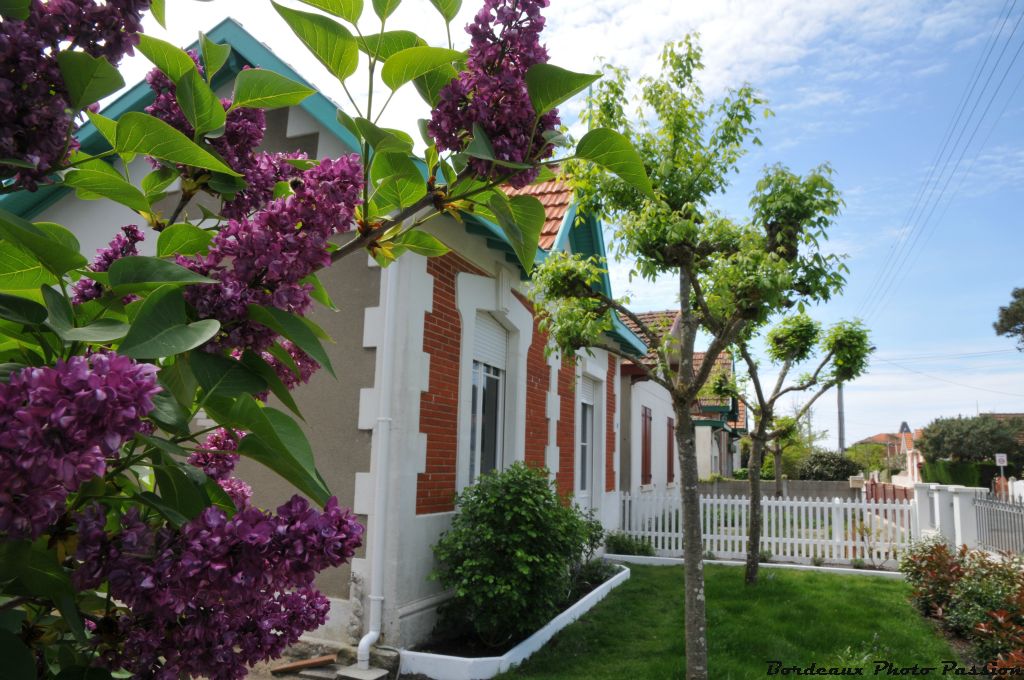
795, 617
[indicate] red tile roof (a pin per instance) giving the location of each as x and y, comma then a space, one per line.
555, 196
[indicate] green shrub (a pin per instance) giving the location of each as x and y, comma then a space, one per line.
741, 473
510, 555
827, 466
985, 585
764, 555
619, 543
932, 568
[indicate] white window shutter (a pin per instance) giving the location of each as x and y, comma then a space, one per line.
588, 390
490, 345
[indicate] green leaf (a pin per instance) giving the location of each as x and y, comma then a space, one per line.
141, 133
385, 45
480, 147
170, 514
384, 8
399, 182
155, 182
163, 445
258, 88
92, 183
47, 245
349, 10
215, 56
157, 7
383, 140
137, 272
429, 85
550, 85
177, 378
413, 62
449, 9
21, 310
277, 441
293, 328
161, 328
200, 105
19, 661
20, 271
319, 293
60, 316
421, 243
224, 377
87, 78
182, 239
106, 127
173, 61
99, 331
169, 414
521, 218
179, 490
329, 41
14, 9
255, 363
219, 497
610, 150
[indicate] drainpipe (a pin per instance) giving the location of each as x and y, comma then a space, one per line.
382, 439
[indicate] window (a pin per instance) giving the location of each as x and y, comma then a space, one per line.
645, 446
588, 390
487, 397
670, 470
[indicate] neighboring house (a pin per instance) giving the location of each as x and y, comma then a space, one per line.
913, 458
442, 373
649, 458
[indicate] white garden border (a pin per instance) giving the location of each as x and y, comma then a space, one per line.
444, 667
678, 561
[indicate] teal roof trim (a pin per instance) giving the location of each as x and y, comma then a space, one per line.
245, 51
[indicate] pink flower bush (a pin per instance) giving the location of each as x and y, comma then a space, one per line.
122, 245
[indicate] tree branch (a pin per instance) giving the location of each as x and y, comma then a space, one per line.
812, 381
648, 372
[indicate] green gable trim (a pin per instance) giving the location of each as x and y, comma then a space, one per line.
705, 422
715, 408
245, 51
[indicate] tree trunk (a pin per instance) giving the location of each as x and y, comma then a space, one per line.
754, 534
693, 547
778, 471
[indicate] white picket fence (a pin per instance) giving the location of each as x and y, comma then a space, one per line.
800, 530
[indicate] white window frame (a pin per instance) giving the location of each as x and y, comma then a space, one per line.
482, 372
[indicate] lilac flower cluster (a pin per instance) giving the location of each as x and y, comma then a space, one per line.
492, 90
35, 126
306, 364
217, 595
261, 260
217, 459
58, 426
243, 132
122, 245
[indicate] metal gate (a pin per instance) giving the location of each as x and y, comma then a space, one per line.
1000, 523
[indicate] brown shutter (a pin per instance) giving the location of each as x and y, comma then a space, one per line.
670, 474
645, 456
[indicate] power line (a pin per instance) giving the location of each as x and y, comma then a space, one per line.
979, 67
958, 355
952, 382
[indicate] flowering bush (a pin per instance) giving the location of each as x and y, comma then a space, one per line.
127, 543
931, 567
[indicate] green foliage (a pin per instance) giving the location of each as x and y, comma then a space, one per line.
848, 344
621, 543
827, 466
510, 554
969, 439
793, 339
1010, 322
931, 567
870, 457
984, 585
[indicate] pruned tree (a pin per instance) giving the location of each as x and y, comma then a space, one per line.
731, 275
844, 350
1011, 318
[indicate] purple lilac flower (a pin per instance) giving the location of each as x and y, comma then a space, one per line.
217, 457
306, 364
491, 92
58, 426
262, 260
34, 122
122, 245
217, 595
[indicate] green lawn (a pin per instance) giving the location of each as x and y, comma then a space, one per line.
796, 617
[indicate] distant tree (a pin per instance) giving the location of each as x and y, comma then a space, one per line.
1011, 318
870, 457
969, 439
792, 448
828, 466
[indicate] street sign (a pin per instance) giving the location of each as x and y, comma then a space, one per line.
1001, 459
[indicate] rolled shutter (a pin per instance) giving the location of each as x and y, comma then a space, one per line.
588, 389
490, 345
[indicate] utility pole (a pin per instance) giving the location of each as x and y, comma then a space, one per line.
842, 419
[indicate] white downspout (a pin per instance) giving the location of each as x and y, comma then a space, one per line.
382, 439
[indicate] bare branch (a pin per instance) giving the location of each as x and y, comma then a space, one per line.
649, 373
810, 382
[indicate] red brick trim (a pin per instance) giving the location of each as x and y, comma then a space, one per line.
566, 433
439, 406
538, 377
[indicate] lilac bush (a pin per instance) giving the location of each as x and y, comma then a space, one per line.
122, 245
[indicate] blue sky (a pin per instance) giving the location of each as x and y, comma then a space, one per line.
869, 86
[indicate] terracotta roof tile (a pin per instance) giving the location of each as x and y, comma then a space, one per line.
555, 196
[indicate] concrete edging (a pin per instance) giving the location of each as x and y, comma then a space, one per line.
462, 668
677, 561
